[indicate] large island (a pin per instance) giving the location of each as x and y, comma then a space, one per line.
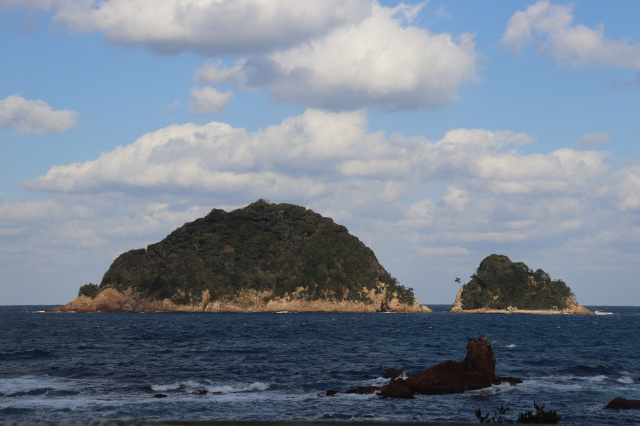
262, 258
503, 286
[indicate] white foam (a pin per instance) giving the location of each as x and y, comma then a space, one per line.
599, 378
221, 389
511, 346
224, 389
164, 388
625, 380
192, 386
12, 386
258, 386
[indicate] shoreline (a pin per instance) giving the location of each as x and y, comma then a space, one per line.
515, 311
111, 300
573, 308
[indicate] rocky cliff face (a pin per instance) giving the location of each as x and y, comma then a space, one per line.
111, 300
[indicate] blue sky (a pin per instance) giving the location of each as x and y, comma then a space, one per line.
437, 132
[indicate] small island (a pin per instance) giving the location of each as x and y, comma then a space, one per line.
503, 286
264, 257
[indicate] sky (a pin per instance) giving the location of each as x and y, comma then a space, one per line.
437, 132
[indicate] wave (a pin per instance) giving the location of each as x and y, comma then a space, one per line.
511, 346
581, 370
207, 387
32, 386
626, 380
25, 355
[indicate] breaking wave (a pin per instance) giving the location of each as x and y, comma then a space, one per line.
207, 387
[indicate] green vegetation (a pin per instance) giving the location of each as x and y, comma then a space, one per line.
500, 283
89, 290
265, 247
540, 416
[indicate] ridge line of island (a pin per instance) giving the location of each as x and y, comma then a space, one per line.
269, 257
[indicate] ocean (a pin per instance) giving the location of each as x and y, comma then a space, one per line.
112, 366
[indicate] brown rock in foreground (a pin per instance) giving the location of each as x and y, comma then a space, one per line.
623, 404
476, 371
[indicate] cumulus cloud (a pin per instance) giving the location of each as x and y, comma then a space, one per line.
208, 100
218, 157
592, 139
28, 116
320, 152
380, 62
216, 73
207, 28
627, 188
550, 28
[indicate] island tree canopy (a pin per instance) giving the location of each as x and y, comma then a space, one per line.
271, 248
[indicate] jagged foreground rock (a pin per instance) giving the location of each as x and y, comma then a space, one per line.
262, 258
623, 404
476, 371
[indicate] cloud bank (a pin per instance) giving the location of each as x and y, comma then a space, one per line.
321, 153
471, 192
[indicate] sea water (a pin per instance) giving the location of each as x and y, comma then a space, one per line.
115, 366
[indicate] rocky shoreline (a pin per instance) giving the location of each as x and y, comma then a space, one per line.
573, 307
111, 300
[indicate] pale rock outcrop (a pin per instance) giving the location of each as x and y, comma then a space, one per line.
110, 300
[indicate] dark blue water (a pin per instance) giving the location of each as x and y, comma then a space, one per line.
107, 366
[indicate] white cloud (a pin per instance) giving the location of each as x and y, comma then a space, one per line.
27, 116
456, 199
215, 74
284, 159
443, 251
381, 62
592, 139
550, 29
627, 188
313, 153
208, 28
208, 100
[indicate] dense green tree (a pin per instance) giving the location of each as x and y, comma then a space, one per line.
90, 290
264, 246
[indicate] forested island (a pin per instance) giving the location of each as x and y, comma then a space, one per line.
260, 258
502, 286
